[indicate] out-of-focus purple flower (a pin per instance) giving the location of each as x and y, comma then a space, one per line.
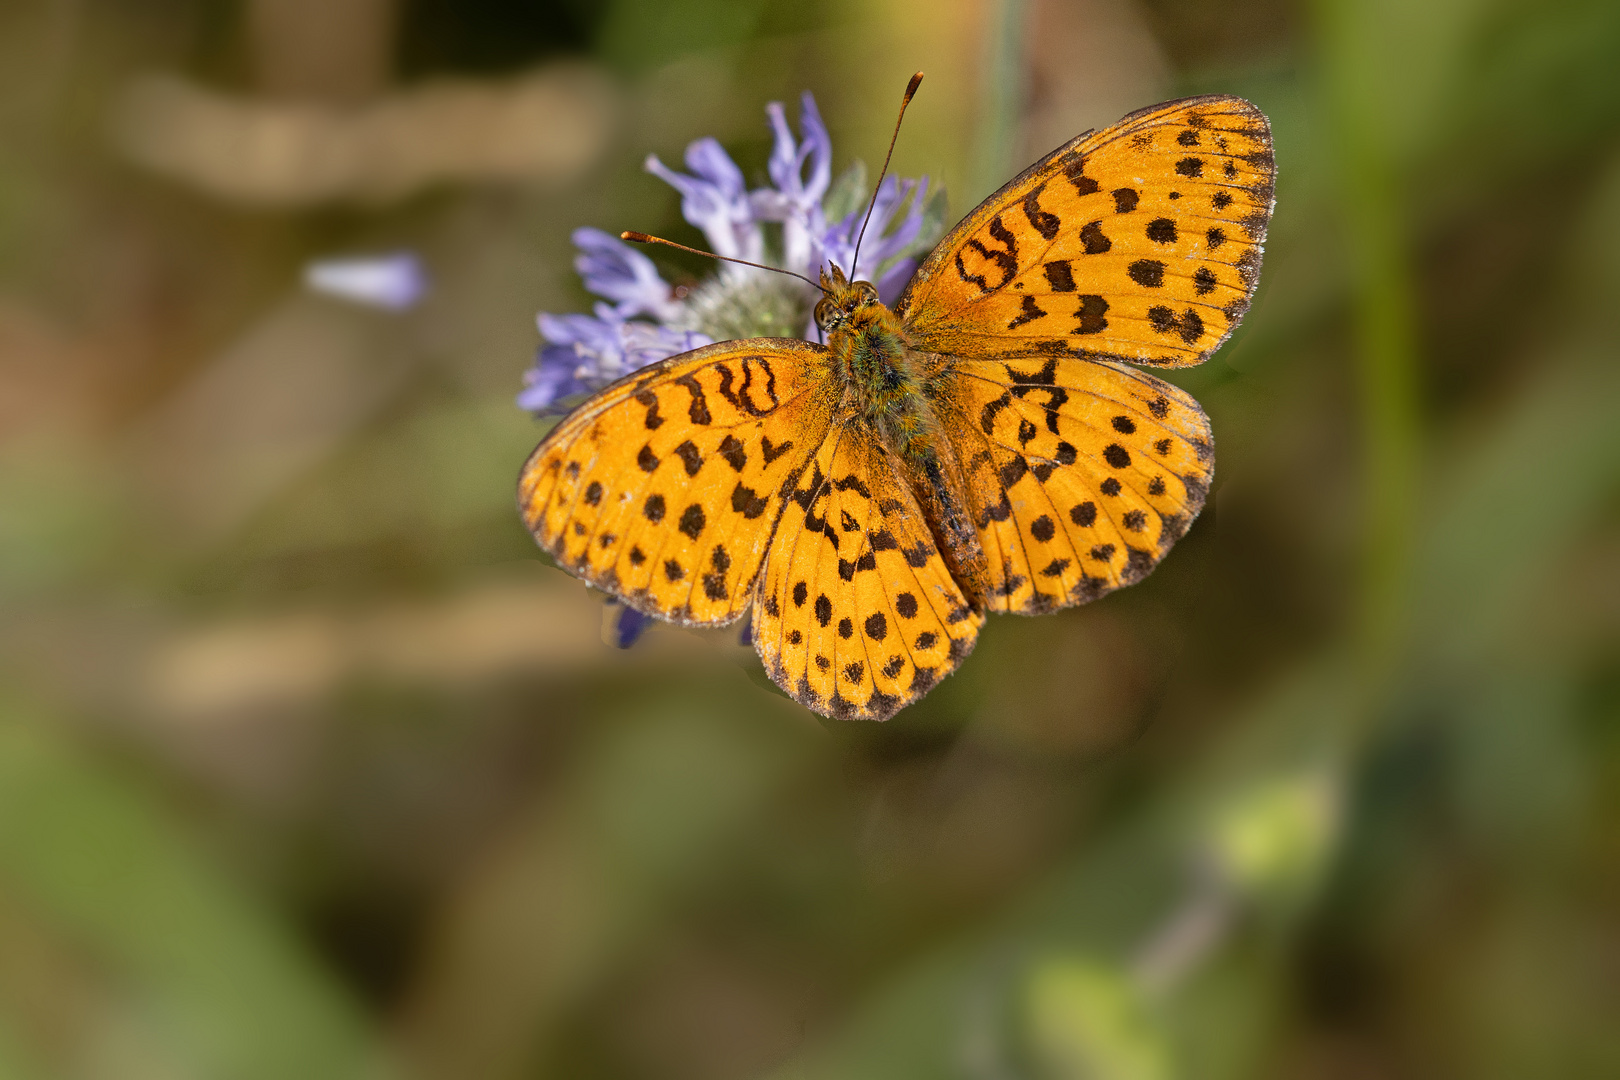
880, 245
584, 352
550, 380
795, 201
622, 624
395, 282
615, 270
641, 320
715, 199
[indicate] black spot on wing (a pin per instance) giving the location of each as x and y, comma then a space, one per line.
1059, 275
746, 502
1029, 313
650, 400
1040, 220
731, 448
1148, 273
1013, 471
1091, 314
987, 415
690, 458
1074, 167
698, 411
1161, 231
1094, 240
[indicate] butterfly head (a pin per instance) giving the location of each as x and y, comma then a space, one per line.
844, 300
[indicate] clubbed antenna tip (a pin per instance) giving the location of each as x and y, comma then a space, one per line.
911, 90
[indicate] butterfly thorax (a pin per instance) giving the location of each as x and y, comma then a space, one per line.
887, 386
872, 359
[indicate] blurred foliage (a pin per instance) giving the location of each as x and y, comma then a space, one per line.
311, 766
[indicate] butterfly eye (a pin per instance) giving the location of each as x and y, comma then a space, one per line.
869, 293
823, 313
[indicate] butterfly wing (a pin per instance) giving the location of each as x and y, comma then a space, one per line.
1081, 474
1139, 243
857, 614
664, 488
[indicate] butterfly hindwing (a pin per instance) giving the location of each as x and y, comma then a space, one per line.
664, 488
1081, 474
857, 614
1140, 243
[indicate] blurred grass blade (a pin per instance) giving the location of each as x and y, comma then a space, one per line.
226, 991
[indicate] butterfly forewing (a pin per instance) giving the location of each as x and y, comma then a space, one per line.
664, 488
857, 613
1139, 243
1081, 474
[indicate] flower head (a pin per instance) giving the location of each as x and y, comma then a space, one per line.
641, 319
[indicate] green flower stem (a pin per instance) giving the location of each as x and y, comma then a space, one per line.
1005, 61
1386, 349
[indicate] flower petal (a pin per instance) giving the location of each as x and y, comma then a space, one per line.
395, 282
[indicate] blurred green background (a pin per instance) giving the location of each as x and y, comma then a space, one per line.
311, 765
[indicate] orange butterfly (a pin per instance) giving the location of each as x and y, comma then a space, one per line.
983, 446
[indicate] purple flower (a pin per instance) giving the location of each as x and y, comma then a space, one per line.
395, 282
584, 353
796, 201
622, 624
880, 246
640, 319
615, 270
715, 200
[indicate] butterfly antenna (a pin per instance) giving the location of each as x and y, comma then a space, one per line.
911, 89
643, 238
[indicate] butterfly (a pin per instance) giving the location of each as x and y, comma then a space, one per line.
986, 445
